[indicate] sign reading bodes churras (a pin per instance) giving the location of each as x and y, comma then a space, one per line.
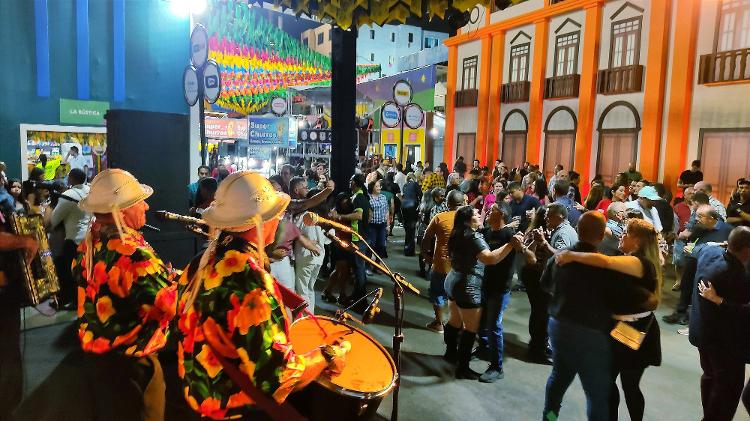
268, 131
226, 128
402, 92
391, 114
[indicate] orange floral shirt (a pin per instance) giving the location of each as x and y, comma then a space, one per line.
238, 306
131, 298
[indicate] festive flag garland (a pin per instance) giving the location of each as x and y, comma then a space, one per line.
259, 61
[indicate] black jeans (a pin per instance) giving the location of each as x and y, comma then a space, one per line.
721, 384
11, 368
67, 292
410, 229
539, 302
687, 284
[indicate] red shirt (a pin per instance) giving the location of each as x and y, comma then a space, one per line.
683, 215
603, 205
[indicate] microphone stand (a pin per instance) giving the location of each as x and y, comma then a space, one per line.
399, 284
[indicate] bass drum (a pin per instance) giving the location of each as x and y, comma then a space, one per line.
369, 373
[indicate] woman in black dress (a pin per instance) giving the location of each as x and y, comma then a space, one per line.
469, 253
633, 301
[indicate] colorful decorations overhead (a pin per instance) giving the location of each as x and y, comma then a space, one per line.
259, 61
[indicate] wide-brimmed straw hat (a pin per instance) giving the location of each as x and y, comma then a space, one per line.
114, 189
243, 196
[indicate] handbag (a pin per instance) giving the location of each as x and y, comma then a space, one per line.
630, 336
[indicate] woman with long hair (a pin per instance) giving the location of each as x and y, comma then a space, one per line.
468, 253
425, 207
204, 196
634, 300
539, 190
596, 194
342, 260
14, 188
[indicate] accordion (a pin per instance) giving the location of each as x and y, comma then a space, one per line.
39, 275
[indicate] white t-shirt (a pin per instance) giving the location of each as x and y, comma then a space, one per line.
77, 161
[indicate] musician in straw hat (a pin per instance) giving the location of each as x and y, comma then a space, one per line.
126, 300
234, 353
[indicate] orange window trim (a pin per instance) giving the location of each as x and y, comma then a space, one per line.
536, 94
681, 90
653, 99
587, 93
483, 100
450, 109
496, 81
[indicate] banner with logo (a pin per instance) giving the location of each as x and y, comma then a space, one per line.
268, 131
226, 128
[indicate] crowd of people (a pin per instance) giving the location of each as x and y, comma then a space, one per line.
590, 260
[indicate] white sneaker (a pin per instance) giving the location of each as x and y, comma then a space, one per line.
684, 331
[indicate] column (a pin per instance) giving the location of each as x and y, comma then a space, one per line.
496, 82
343, 101
653, 97
536, 96
681, 90
485, 63
450, 107
587, 92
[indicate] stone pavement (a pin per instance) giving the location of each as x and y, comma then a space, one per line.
428, 389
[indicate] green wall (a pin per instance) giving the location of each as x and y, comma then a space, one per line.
156, 52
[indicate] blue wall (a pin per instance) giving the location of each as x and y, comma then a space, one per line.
156, 53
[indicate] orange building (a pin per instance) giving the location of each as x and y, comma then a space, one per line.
595, 84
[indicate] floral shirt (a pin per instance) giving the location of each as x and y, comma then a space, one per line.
130, 300
238, 304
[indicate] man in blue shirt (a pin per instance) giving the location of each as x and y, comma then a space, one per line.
521, 204
718, 323
203, 172
709, 228
560, 194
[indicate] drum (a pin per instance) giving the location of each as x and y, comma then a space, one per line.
369, 374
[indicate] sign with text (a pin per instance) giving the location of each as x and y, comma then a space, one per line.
390, 114
268, 131
226, 128
259, 151
74, 111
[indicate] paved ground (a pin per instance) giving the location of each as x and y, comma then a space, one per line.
429, 391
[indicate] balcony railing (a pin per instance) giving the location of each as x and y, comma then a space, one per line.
515, 92
620, 80
467, 98
562, 86
725, 66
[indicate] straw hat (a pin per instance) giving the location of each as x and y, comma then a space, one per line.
243, 196
114, 189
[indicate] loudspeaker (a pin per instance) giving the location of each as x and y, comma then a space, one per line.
154, 147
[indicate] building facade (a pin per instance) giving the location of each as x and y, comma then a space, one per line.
596, 84
385, 44
318, 39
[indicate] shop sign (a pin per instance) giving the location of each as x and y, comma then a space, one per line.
402, 92
226, 128
259, 151
278, 106
211, 81
190, 85
73, 111
413, 116
391, 114
199, 46
268, 131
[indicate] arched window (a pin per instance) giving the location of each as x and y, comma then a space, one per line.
515, 129
559, 140
618, 128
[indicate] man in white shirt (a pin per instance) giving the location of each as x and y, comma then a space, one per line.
400, 177
76, 222
76, 160
704, 187
643, 204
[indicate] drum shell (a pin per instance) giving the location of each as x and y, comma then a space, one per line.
319, 403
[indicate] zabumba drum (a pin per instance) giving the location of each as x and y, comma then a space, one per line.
369, 374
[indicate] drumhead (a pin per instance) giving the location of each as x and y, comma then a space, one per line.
369, 371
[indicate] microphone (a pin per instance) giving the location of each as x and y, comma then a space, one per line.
372, 310
169, 216
311, 219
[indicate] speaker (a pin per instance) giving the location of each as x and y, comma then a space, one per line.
154, 147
